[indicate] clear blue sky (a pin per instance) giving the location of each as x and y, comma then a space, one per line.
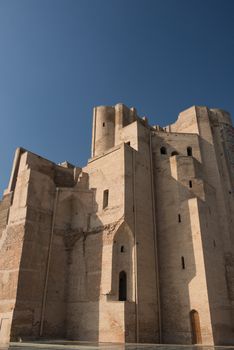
59, 58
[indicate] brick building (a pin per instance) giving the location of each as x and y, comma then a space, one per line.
137, 246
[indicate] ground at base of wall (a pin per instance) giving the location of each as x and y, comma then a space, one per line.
65, 344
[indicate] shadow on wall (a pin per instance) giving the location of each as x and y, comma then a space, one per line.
84, 281
177, 267
216, 221
60, 268
94, 313
191, 253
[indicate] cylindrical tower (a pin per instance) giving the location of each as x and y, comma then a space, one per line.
103, 129
221, 116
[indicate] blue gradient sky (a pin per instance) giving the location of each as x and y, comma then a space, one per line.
59, 58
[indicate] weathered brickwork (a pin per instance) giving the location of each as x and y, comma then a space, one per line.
137, 246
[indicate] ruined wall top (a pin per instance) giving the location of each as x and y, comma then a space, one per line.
109, 120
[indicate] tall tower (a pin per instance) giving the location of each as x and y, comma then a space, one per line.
107, 124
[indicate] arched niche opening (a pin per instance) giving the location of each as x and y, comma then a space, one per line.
174, 153
122, 281
195, 327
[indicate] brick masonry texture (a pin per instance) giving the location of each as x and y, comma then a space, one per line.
137, 246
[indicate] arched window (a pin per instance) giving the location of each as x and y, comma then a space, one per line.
163, 150
122, 286
189, 151
195, 327
174, 153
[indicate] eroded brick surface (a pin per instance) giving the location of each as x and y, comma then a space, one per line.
149, 220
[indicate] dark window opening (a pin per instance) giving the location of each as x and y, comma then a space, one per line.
182, 263
163, 150
189, 151
174, 153
105, 198
122, 249
190, 184
122, 286
103, 124
179, 218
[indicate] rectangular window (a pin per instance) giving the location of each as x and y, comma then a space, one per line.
179, 218
105, 198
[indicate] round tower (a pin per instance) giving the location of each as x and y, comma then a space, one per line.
103, 129
221, 116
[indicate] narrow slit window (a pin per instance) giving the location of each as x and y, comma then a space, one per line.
103, 124
122, 249
182, 263
189, 151
105, 198
190, 184
179, 218
163, 150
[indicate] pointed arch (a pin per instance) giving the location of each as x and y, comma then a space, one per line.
124, 228
122, 283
